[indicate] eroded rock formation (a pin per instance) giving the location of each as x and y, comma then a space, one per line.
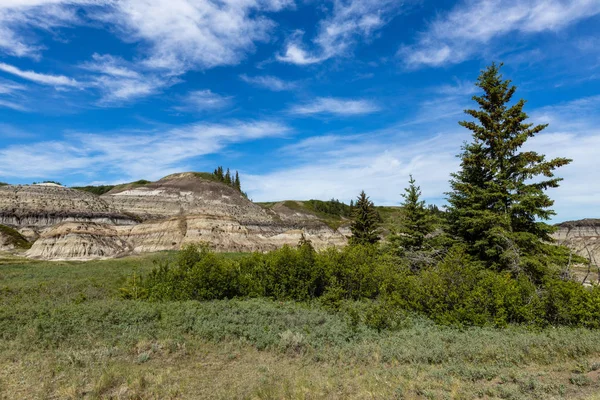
41, 206
79, 241
163, 215
583, 236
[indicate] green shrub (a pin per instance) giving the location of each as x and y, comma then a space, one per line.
456, 291
570, 303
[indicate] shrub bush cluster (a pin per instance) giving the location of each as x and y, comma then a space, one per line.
456, 291
330, 207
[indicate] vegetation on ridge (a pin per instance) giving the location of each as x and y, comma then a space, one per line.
228, 178
102, 189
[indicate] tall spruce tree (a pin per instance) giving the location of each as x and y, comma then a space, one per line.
364, 227
498, 201
227, 178
417, 221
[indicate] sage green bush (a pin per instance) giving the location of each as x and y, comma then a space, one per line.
456, 291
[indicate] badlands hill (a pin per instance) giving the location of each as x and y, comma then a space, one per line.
63, 223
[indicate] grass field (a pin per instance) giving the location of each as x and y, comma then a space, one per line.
66, 334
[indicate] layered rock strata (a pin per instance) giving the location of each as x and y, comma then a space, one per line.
79, 241
163, 215
582, 236
36, 206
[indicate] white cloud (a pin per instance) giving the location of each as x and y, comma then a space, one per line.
174, 36
186, 34
178, 34
12, 106
203, 100
349, 22
119, 82
295, 52
269, 82
44, 79
8, 87
130, 156
464, 31
17, 16
330, 105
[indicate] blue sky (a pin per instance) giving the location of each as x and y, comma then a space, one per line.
307, 99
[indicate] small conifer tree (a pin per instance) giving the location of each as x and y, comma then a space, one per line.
364, 228
227, 179
237, 183
417, 220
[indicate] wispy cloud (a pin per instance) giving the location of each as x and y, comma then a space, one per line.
203, 100
11, 90
13, 106
8, 87
43, 79
349, 22
17, 16
269, 82
464, 32
458, 88
118, 80
149, 154
334, 106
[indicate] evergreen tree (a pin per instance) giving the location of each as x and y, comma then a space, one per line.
220, 175
364, 228
498, 201
417, 221
238, 185
227, 179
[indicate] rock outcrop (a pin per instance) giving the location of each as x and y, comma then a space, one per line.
163, 215
226, 234
42, 206
583, 236
184, 194
79, 241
